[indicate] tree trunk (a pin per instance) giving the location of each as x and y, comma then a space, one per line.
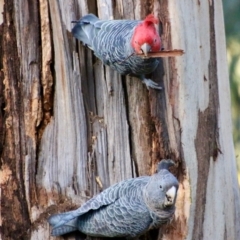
71, 127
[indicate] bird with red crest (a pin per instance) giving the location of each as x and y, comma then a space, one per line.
117, 44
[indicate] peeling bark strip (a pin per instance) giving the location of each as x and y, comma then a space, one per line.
13, 203
206, 142
2, 103
22, 114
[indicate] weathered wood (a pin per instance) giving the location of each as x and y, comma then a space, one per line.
71, 126
22, 115
164, 53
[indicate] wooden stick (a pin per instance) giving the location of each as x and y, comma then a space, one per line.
164, 53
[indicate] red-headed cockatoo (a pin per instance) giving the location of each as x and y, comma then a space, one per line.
117, 43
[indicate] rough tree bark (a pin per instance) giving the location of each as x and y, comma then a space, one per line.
71, 127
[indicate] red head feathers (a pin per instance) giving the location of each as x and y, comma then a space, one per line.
150, 19
145, 37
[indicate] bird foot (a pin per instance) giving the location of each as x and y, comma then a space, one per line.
151, 84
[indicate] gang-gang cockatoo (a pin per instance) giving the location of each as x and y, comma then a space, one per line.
126, 209
117, 43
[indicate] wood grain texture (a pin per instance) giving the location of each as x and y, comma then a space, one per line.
71, 127
163, 53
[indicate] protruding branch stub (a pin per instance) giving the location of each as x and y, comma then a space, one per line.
163, 53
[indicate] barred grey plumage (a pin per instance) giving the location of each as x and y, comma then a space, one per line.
126, 209
111, 42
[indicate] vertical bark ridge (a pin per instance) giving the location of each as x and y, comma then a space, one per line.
15, 215
206, 142
2, 101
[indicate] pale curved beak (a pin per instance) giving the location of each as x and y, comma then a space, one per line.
170, 196
146, 49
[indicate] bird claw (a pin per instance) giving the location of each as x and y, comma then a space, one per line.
151, 84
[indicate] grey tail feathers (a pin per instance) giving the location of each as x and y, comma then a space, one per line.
84, 29
68, 227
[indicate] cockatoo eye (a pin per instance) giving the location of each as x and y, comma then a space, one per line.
160, 186
155, 40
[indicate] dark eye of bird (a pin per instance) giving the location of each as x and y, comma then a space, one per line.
160, 186
155, 40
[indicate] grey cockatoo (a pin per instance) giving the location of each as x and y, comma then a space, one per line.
126, 209
117, 42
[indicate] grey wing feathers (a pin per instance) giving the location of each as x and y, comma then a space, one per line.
110, 43
107, 38
105, 198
